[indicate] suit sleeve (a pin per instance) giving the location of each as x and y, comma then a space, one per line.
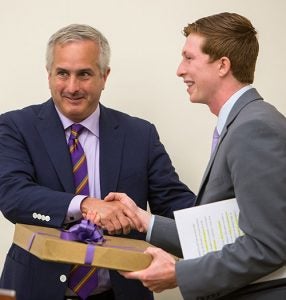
255, 156
166, 192
26, 196
164, 235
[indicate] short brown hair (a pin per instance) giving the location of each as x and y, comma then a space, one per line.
230, 35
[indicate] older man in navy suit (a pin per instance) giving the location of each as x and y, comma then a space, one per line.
123, 154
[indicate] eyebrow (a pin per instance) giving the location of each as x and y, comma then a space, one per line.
88, 70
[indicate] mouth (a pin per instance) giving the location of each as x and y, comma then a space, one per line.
189, 83
71, 98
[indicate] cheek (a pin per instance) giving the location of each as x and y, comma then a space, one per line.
94, 88
57, 86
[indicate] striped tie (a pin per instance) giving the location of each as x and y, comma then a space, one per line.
83, 279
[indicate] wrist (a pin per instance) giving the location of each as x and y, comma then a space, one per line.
87, 203
144, 217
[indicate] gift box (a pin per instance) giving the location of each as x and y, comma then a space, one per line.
7, 294
115, 252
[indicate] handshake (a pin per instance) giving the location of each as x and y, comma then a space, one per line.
117, 213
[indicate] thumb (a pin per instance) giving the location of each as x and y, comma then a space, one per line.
109, 197
153, 251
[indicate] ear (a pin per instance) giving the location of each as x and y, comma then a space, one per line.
104, 76
224, 66
49, 77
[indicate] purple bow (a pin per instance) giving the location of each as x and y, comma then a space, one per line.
85, 231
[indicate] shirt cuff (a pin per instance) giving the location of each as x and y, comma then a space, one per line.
150, 227
74, 213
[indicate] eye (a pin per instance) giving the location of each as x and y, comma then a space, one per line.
187, 56
84, 74
62, 73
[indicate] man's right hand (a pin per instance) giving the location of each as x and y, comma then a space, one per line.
113, 216
143, 215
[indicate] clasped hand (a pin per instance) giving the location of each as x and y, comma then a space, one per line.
117, 213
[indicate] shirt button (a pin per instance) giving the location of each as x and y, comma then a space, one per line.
63, 278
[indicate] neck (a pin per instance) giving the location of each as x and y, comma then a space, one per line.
223, 95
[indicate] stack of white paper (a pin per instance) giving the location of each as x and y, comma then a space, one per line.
209, 227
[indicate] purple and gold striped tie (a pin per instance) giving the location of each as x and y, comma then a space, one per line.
82, 279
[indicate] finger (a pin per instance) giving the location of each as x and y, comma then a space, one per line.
113, 196
130, 275
93, 217
108, 226
125, 223
109, 197
119, 220
113, 226
155, 286
153, 251
117, 225
97, 220
134, 218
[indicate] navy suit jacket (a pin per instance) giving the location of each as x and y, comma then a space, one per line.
36, 180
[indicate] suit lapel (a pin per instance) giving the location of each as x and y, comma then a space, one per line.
55, 143
245, 99
111, 137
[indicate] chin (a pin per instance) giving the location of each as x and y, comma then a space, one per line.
193, 100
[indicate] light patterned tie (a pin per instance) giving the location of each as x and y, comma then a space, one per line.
215, 139
83, 279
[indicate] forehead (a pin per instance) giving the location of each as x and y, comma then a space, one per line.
193, 43
77, 48
76, 54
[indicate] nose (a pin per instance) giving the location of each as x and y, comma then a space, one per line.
180, 70
73, 85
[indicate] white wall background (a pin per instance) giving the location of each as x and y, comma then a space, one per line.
146, 40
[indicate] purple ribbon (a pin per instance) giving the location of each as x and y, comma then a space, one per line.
31, 241
86, 232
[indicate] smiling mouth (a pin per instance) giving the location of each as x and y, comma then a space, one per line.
73, 98
189, 83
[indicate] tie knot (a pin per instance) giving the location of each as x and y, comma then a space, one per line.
76, 130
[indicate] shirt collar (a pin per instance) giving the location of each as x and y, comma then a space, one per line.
91, 123
226, 108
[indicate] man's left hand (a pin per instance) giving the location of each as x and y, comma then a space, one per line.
160, 275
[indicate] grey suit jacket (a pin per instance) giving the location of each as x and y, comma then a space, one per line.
249, 164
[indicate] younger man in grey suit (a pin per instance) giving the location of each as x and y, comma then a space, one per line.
248, 163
